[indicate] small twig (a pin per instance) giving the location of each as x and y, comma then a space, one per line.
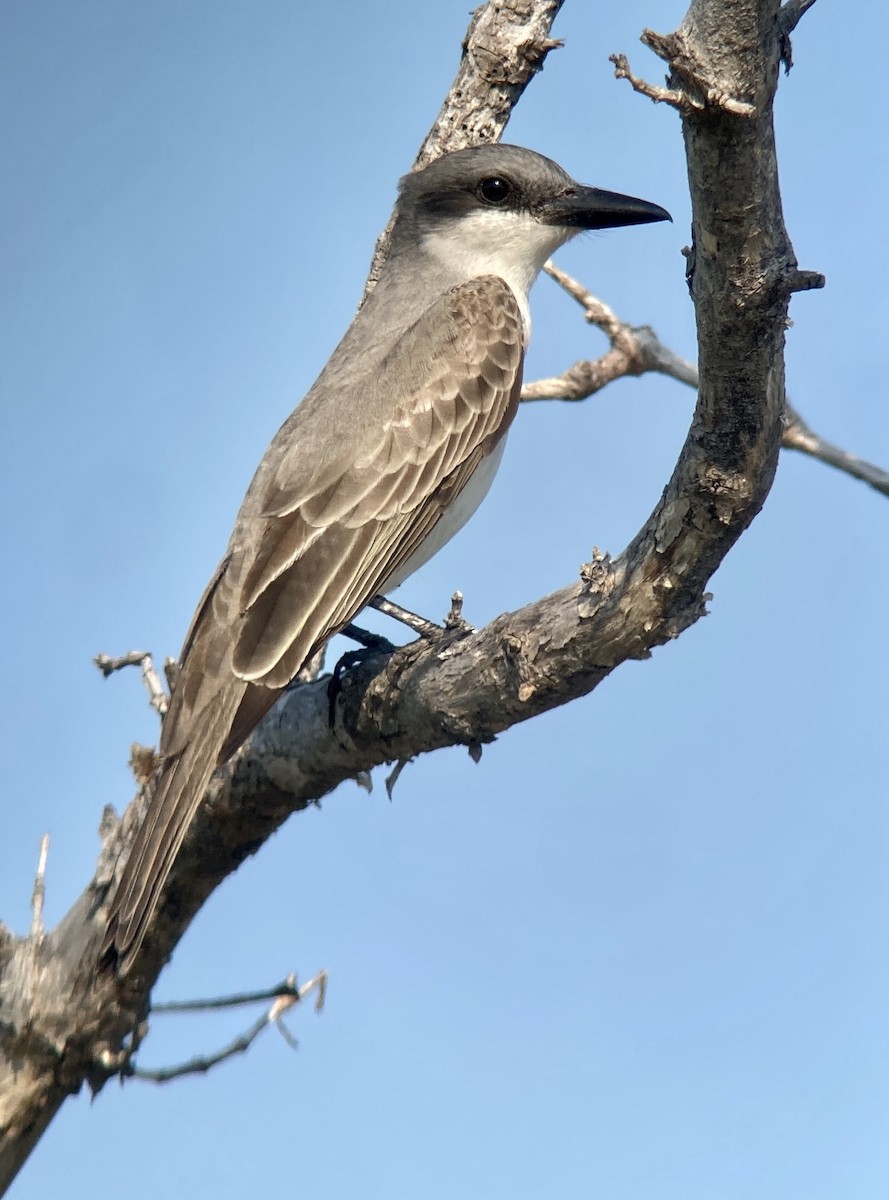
284, 997
200, 1064
454, 620
636, 350
38, 894
595, 311
658, 95
392, 777
798, 436
788, 19
805, 281
287, 988
157, 697
698, 94
792, 13
108, 665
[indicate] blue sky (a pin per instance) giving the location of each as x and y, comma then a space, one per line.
639, 951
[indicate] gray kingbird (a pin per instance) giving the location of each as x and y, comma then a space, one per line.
384, 460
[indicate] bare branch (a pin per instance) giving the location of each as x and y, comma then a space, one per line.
595, 310
659, 95
684, 101
636, 350
157, 696
393, 776
288, 988
798, 436
38, 895
690, 74
788, 19
792, 13
284, 997
200, 1064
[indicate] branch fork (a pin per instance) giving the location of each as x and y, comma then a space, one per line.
284, 997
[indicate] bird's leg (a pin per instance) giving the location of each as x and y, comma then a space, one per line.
426, 629
375, 643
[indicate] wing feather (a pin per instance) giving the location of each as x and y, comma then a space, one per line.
326, 550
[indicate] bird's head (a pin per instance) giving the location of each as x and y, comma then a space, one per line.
505, 209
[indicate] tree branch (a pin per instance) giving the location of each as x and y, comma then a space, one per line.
636, 350
38, 895
798, 436
284, 997
157, 697
61, 1025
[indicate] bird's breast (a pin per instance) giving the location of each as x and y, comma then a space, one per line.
453, 518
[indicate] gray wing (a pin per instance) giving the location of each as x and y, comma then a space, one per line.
326, 544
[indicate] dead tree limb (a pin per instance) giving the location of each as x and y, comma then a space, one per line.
61, 1026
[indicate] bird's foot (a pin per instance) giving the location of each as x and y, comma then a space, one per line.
375, 643
371, 644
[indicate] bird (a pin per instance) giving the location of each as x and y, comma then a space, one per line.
383, 461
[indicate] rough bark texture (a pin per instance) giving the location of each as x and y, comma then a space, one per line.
61, 1025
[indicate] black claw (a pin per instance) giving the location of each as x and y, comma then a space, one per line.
352, 658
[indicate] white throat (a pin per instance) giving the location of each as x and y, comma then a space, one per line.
508, 244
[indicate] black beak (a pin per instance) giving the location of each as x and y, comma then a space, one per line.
591, 208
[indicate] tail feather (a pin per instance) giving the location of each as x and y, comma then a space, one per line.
177, 793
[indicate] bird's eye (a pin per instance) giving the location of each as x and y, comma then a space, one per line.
494, 191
